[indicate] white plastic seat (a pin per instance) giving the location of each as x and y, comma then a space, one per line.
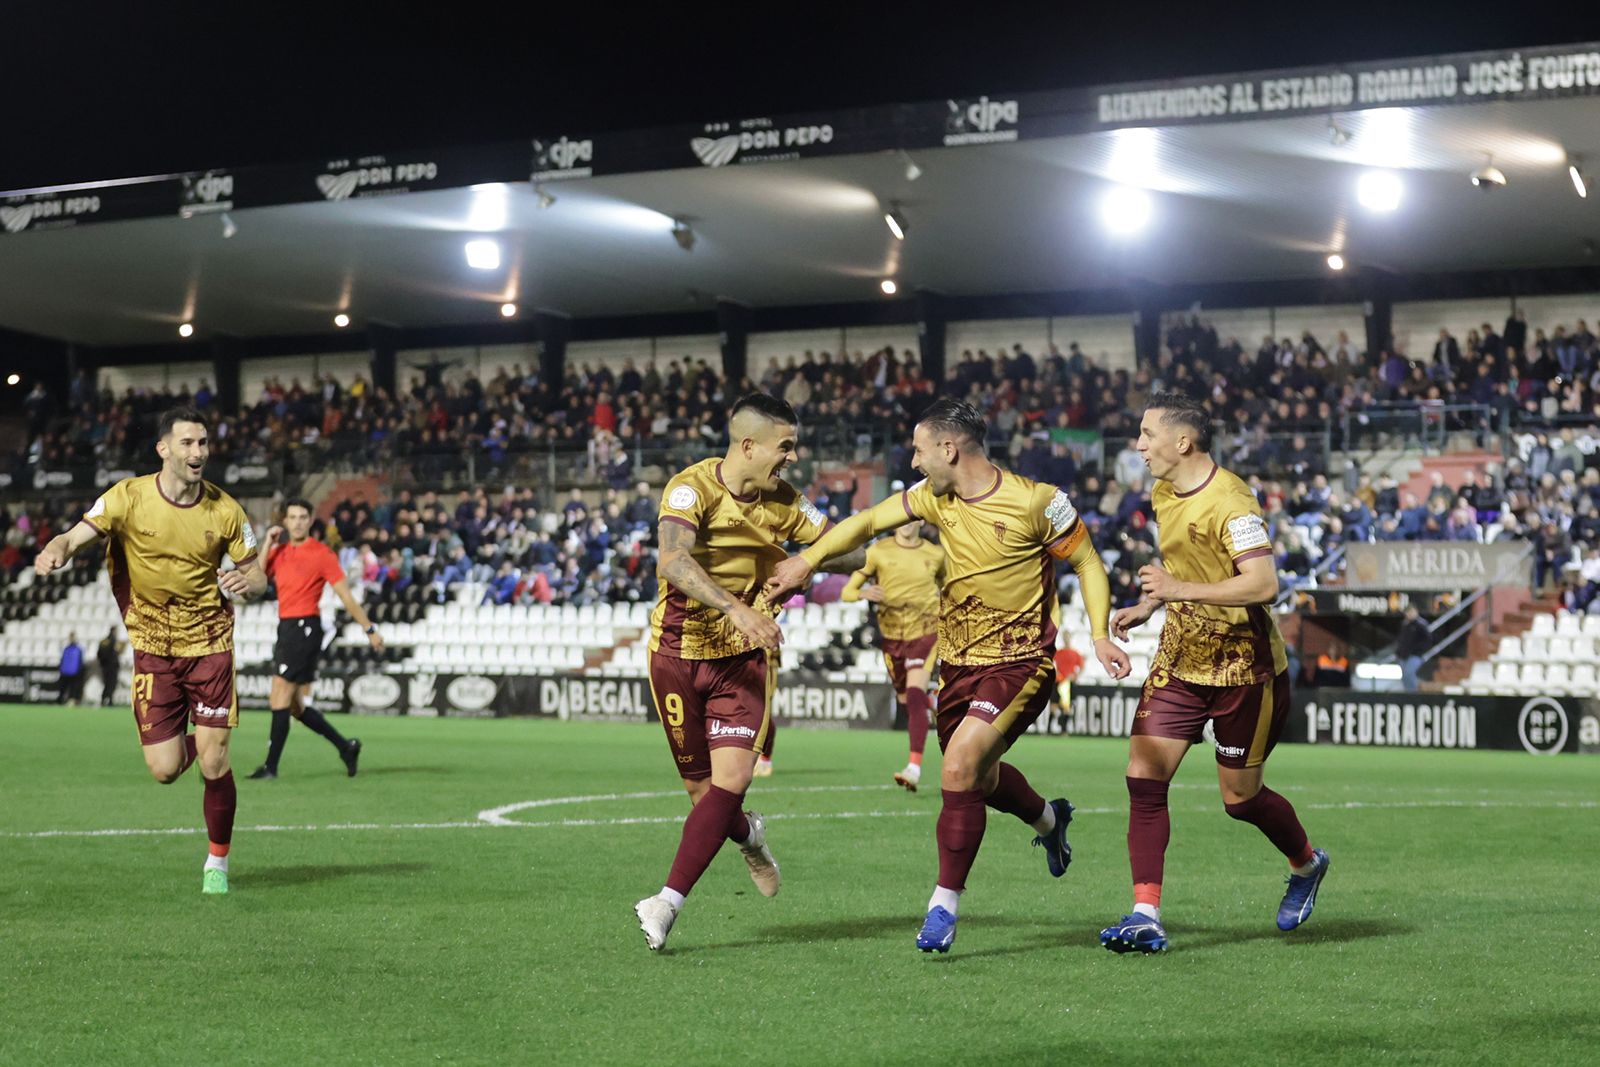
1510, 648
1482, 673
1559, 650
1583, 679
1505, 677
1558, 677
1532, 676
1568, 625
1544, 625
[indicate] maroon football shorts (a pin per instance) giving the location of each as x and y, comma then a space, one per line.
1007, 696
169, 692
901, 657
713, 703
1246, 719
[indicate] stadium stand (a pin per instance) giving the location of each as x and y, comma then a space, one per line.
523, 535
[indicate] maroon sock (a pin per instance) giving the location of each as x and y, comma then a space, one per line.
1274, 816
960, 832
738, 827
1015, 796
1149, 829
221, 800
917, 718
189, 751
704, 831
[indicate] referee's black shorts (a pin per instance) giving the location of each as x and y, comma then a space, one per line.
294, 657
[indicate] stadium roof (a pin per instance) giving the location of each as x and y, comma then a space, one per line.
1002, 204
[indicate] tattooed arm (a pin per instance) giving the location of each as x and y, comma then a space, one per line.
676, 566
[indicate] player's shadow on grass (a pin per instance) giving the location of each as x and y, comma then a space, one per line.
1334, 930
868, 928
306, 873
368, 772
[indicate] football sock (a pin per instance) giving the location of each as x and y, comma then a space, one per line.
1274, 816
917, 721
1304, 869
704, 831
221, 799
1149, 830
1014, 796
315, 719
739, 828
948, 899
671, 896
278, 735
959, 833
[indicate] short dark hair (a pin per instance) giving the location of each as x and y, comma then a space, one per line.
299, 502
172, 416
769, 407
1185, 410
953, 416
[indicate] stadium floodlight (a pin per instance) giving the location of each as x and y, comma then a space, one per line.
508, 311
341, 320
13, 379
889, 287
683, 233
186, 330
896, 222
483, 254
547, 199
229, 227
1379, 190
1125, 209
1337, 134
913, 172
1578, 183
1335, 261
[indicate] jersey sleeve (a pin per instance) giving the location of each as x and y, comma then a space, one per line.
684, 502
331, 571
918, 502
106, 514
240, 535
805, 525
1242, 529
858, 580
1061, 530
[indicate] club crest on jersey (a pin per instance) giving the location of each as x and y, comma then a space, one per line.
1194, 533
677, 736
1000, 532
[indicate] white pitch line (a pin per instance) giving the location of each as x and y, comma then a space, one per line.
484, 823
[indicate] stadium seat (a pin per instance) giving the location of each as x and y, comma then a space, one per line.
1543, 625
1583, 680
1531, 679
1482, 674
1568, 625
1510, 649
1558, 679
1505, 677
1559, 651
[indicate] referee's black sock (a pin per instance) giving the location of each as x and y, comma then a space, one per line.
314, 719
279, 734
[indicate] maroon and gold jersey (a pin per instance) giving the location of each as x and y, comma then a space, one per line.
998, 603
738, 541
1205, 533
910, 580
163, 559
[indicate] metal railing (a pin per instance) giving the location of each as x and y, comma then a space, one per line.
1426, 425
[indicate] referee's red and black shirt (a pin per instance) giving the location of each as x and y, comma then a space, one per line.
300, 572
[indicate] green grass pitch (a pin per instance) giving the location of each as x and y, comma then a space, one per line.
383, 921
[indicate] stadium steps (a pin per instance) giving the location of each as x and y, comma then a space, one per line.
1481, 644
1401, 463
368, 488
1452, 466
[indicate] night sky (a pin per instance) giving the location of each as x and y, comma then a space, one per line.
146, 89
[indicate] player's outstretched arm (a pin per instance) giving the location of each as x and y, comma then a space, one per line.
844, 563
676, 565
1096, 589
341, 589
61, 548
1256, 583
838, 546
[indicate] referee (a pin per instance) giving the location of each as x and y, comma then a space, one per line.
301, 567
